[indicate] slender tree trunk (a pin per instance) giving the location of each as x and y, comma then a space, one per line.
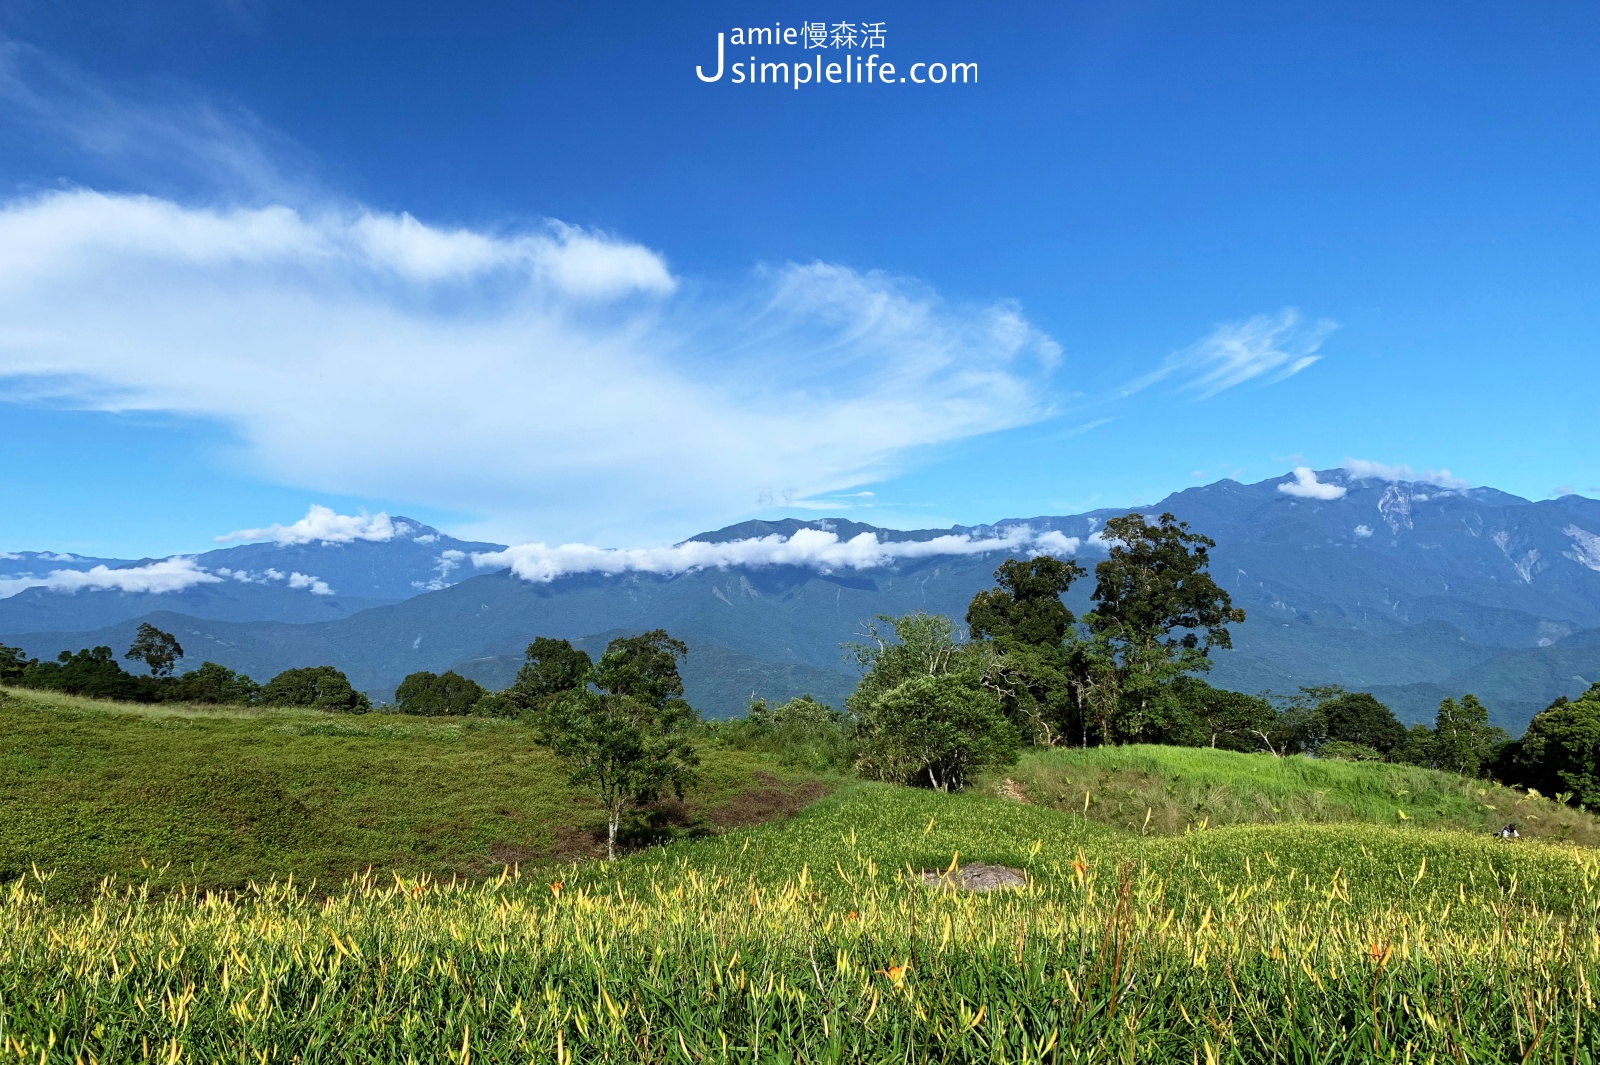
611, 834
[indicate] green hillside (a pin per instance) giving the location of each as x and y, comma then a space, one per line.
1163, 790
1316, 926
218, 797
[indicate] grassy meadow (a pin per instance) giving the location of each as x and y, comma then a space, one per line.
1335, 933
1164, 790
216, 798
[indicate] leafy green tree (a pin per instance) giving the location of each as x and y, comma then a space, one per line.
936, 731
1345, 751
895, 650
643, 667
437, 694
1560, 752
1463, 740
158, 650
13, 664
1356, 717
1026, 608
1158, 613
1215, 717
1028, 627
1416, 749
630, 740
215, 684
92, 672
318, 687
552, 667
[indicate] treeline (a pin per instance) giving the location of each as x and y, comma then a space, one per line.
95, 673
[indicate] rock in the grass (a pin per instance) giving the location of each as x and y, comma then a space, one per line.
975, 877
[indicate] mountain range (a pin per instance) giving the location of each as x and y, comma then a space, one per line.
1410, 589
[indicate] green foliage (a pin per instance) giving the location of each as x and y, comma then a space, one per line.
158, 650
1463, 740
1416, 749
1026, 608
935, 731
1215, 717
552, 667
437, 695
643, 667
629, 741
13, 664
214, 684
1356, 717
801, 732
317, 687
814, 941
92, 672
1346, 751
1173, 790
496, 704
1560, 752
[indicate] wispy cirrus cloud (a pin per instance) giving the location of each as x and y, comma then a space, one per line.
1266, 347
554, 371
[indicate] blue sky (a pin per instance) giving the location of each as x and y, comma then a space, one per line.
521, 274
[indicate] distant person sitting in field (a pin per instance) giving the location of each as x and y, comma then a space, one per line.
1509, 832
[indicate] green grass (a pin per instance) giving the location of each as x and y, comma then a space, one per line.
1166, 790
218, 797
805, 939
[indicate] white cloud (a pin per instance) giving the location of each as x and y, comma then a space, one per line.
812, 548
553, 373
1362, 469
1306, 486
1363, 531
447, 563
1274, 346
316, 585
324, 525
168, 575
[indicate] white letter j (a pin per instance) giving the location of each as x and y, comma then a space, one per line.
701, 74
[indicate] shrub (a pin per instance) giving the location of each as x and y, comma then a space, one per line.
801, 732
495, 704
1345, 751
437, 695
212, 683
935, 731
319, 687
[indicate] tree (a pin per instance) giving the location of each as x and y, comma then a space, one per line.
1463, 740
935, 730
914, 645
551, 668
13, 664
437, 695
319, 687
92, 672
1356, 717
212, 683
643, 667
1026, 608
1416, 749
1560, 752
1212, 716
1028, 625
1158, 611
158, 650
630, 740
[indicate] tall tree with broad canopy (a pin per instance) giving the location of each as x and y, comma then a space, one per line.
318, 687
551, 668
1029, 628
1159, 612
624, 730
158, 650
